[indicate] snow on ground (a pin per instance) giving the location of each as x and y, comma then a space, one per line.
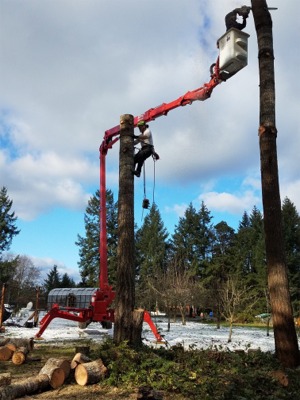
193, 334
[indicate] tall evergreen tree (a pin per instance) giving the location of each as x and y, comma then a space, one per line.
192, 240
89, 263
291, 234
151, 251
8, 220
221, 266
53, 279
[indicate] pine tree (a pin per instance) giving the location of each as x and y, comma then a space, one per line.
192, 240
53, 280
89, 245
67, 282
291, 233
8, 219
151, 252
250, 255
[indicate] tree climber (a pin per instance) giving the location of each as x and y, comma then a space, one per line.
147, 148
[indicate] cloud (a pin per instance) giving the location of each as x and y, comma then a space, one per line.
69, 71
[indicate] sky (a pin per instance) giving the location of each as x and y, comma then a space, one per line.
70, 69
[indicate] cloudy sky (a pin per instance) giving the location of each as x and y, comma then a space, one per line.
70, 68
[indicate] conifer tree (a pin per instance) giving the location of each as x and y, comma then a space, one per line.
291, 234
89, 244
151, 252
192, 240
8, 220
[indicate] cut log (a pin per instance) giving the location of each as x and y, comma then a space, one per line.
11, 346
5, 353
62, 363
25, 387
79, 358
90, 373
56, 374
20, 355
5, 379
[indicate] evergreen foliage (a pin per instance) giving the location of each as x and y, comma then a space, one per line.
89, 244
151, 251
8, 220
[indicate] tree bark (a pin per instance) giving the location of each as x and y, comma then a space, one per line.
125, 291
25, 387
90, 373
286, 343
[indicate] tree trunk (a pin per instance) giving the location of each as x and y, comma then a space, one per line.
90, 373
125, 291
286, 344
25, 387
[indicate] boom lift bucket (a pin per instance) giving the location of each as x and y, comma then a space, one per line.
233, 56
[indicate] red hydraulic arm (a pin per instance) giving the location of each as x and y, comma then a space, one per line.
99, 309
111, 136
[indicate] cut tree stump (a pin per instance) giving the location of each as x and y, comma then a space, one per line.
79, 358
5, 379
25, 387
56, 374
5, 353
90, 373
20, 356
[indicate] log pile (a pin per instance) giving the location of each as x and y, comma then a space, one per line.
52, 375
15, 349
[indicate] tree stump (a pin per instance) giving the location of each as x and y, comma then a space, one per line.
24, 387
90, 373
5, 353
79, 358
5, 379
55, 374
20, 356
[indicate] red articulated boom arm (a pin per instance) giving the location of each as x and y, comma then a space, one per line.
112, 136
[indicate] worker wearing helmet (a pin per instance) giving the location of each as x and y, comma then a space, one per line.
231, 18
146, 150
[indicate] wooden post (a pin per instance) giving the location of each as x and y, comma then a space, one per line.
2, 304
125, 291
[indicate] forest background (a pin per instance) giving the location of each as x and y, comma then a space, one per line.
200, 267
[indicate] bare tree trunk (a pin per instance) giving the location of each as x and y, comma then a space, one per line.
124, 328
286, 344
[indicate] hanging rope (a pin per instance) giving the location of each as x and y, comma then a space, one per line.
154, 160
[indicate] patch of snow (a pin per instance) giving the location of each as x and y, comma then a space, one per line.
192, 335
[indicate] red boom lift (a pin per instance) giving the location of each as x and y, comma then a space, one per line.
100, 309
233, 57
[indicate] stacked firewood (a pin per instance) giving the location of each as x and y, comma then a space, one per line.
15, 349
53, 374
